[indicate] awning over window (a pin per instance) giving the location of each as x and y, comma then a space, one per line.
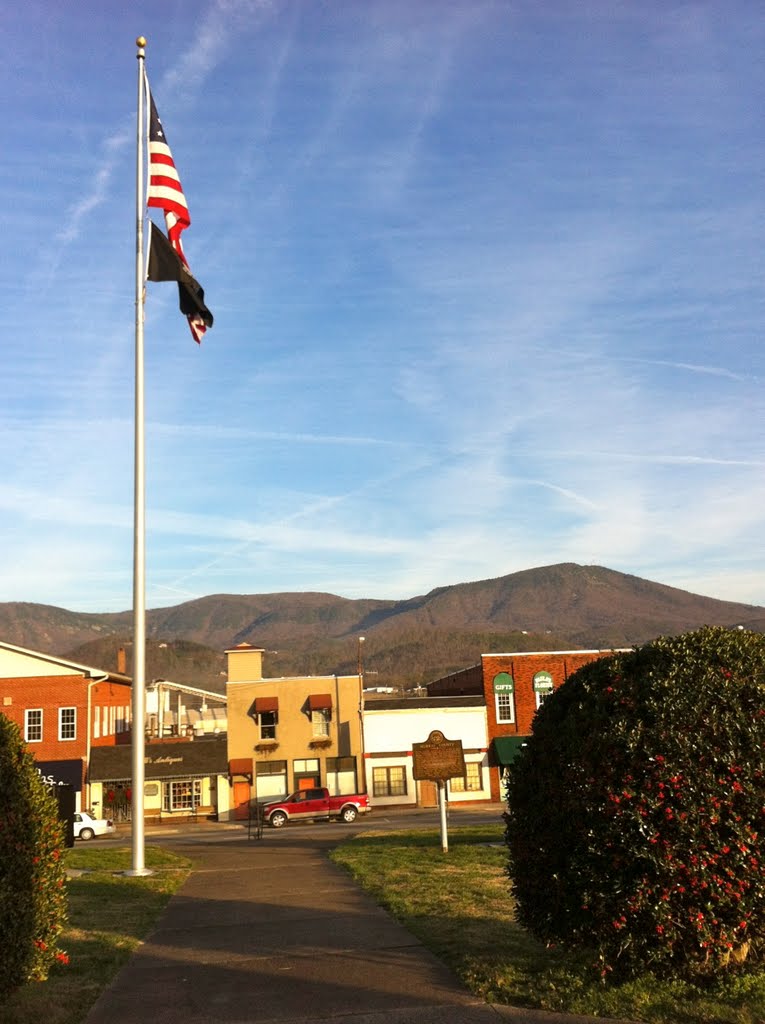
320, 701
504, 750
266, 704
240, 766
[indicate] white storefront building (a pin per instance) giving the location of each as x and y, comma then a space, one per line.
392, 726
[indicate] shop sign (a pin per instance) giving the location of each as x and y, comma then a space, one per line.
503, 683
543, 682
165, 760
61, 773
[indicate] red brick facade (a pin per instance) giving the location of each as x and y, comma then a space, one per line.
522, 670
51, 712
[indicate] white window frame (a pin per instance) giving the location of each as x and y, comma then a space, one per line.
541, 697
30, 728
67, 730
503, 685
471, 782
383, 783
505, 700
181, 794
268, 730
543, 687
320, 719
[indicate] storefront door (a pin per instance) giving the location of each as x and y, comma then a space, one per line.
241, 800
428, 793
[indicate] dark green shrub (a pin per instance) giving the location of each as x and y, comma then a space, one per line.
636, 813
32, 894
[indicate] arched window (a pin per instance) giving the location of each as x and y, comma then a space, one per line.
543, 686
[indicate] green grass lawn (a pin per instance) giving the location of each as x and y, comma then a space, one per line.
458, 904
109, 913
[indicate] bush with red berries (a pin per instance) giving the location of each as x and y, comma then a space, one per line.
32, 879
636, 811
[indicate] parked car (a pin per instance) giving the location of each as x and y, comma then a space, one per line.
86, 826
314, 804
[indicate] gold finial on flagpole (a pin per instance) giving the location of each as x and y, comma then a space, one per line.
140, 43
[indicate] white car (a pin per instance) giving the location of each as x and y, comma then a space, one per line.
86, 826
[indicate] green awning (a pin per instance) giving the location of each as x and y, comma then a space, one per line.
504, 750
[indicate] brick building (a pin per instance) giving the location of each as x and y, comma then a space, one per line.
76, 723
513, 685
63, 710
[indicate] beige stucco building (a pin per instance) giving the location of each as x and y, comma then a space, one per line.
289, 733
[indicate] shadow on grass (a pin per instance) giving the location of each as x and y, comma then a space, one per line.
460, 906
124, 906
108, 915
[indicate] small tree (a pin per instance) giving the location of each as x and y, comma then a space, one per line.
32, 894
636, 812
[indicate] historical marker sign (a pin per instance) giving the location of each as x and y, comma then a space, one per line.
437, 758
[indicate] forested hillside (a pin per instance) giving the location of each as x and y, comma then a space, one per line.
408, 642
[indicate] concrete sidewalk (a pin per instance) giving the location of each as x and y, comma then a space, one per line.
270, 931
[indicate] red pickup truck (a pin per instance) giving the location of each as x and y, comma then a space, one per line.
314, 803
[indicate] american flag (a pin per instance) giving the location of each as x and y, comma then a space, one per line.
165, 189
166, 193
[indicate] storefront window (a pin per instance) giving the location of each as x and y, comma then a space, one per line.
389, 781
306, 773
341, 775
181, 794
472, 780
270, 779
117, 799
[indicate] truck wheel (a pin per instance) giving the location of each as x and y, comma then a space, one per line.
349, 814
278, 819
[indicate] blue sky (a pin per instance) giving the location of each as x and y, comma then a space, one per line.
488, 284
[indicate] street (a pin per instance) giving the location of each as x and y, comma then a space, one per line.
388, 820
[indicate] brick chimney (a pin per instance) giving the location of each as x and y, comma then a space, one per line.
122, 661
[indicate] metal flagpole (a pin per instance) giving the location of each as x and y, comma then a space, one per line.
139, 525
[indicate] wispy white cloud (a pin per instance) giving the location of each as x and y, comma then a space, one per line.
223, 432
99, 184
712, 371
219, 25
471, 315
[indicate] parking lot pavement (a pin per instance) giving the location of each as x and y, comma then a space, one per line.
386, 818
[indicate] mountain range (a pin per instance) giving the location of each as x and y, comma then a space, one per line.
407, 642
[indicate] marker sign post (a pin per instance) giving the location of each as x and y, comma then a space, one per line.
439, 759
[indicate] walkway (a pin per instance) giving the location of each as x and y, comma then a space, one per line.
271, 932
